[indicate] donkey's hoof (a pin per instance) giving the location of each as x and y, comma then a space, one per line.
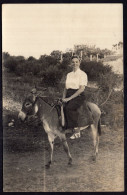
47, 166
94, 158
70, 161
69, 164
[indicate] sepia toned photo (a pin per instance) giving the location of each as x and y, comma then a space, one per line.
63, 97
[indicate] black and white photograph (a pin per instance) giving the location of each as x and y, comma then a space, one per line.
63, 97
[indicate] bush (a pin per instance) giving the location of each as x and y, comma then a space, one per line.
48, 72
94, 69
52, 76
11, 64
32, 67
103, 75
29, 68
51, 71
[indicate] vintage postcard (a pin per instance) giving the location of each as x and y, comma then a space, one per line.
62, 81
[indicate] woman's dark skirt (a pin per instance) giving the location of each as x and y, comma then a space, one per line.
74, 116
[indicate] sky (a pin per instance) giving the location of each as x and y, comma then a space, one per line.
37, 29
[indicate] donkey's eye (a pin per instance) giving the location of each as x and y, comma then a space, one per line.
27, 104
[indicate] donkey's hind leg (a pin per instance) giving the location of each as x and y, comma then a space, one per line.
66, 147
51, 138
95, 140
97, 144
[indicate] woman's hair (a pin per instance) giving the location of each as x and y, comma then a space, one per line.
75, 56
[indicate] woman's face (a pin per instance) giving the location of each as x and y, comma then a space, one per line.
75, 63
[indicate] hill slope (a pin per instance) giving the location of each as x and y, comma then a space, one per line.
117, 65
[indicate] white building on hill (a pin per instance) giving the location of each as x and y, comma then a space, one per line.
118, 48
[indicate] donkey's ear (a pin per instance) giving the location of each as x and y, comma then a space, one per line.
33, 97
34, 91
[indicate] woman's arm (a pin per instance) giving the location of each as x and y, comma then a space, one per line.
78, 92
64, 92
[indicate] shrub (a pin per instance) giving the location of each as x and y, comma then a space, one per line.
5, 55
11, 64
52, 76
94, 69
20, 69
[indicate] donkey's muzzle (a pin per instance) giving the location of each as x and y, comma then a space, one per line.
22, 115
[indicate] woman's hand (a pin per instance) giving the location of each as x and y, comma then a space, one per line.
66, 99
77, 93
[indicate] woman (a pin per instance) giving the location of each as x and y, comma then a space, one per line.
73, 96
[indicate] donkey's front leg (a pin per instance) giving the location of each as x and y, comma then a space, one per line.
51, 138
66, 147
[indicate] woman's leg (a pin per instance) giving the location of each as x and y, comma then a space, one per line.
71, 113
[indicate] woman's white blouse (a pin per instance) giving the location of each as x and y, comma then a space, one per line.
75, 79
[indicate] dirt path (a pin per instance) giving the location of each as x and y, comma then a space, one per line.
26, 152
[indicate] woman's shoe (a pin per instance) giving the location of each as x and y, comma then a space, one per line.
75, 136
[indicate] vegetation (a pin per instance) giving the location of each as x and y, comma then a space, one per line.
23, 74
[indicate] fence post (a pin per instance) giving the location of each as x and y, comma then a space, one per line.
61, 57
97, 57
81, 55
90, 57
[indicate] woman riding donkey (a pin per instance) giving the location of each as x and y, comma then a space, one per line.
74, 97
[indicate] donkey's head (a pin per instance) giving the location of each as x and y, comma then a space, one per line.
28, 107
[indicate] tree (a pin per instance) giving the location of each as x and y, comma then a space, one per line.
5, 55
56, 54
31, 58
11, 64
105, 78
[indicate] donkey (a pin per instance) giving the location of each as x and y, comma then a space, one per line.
48, 115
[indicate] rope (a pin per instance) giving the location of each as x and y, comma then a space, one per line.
107, 98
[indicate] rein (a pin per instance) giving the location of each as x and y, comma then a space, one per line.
58, 102
51, 105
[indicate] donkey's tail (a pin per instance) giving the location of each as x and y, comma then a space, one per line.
99, 127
